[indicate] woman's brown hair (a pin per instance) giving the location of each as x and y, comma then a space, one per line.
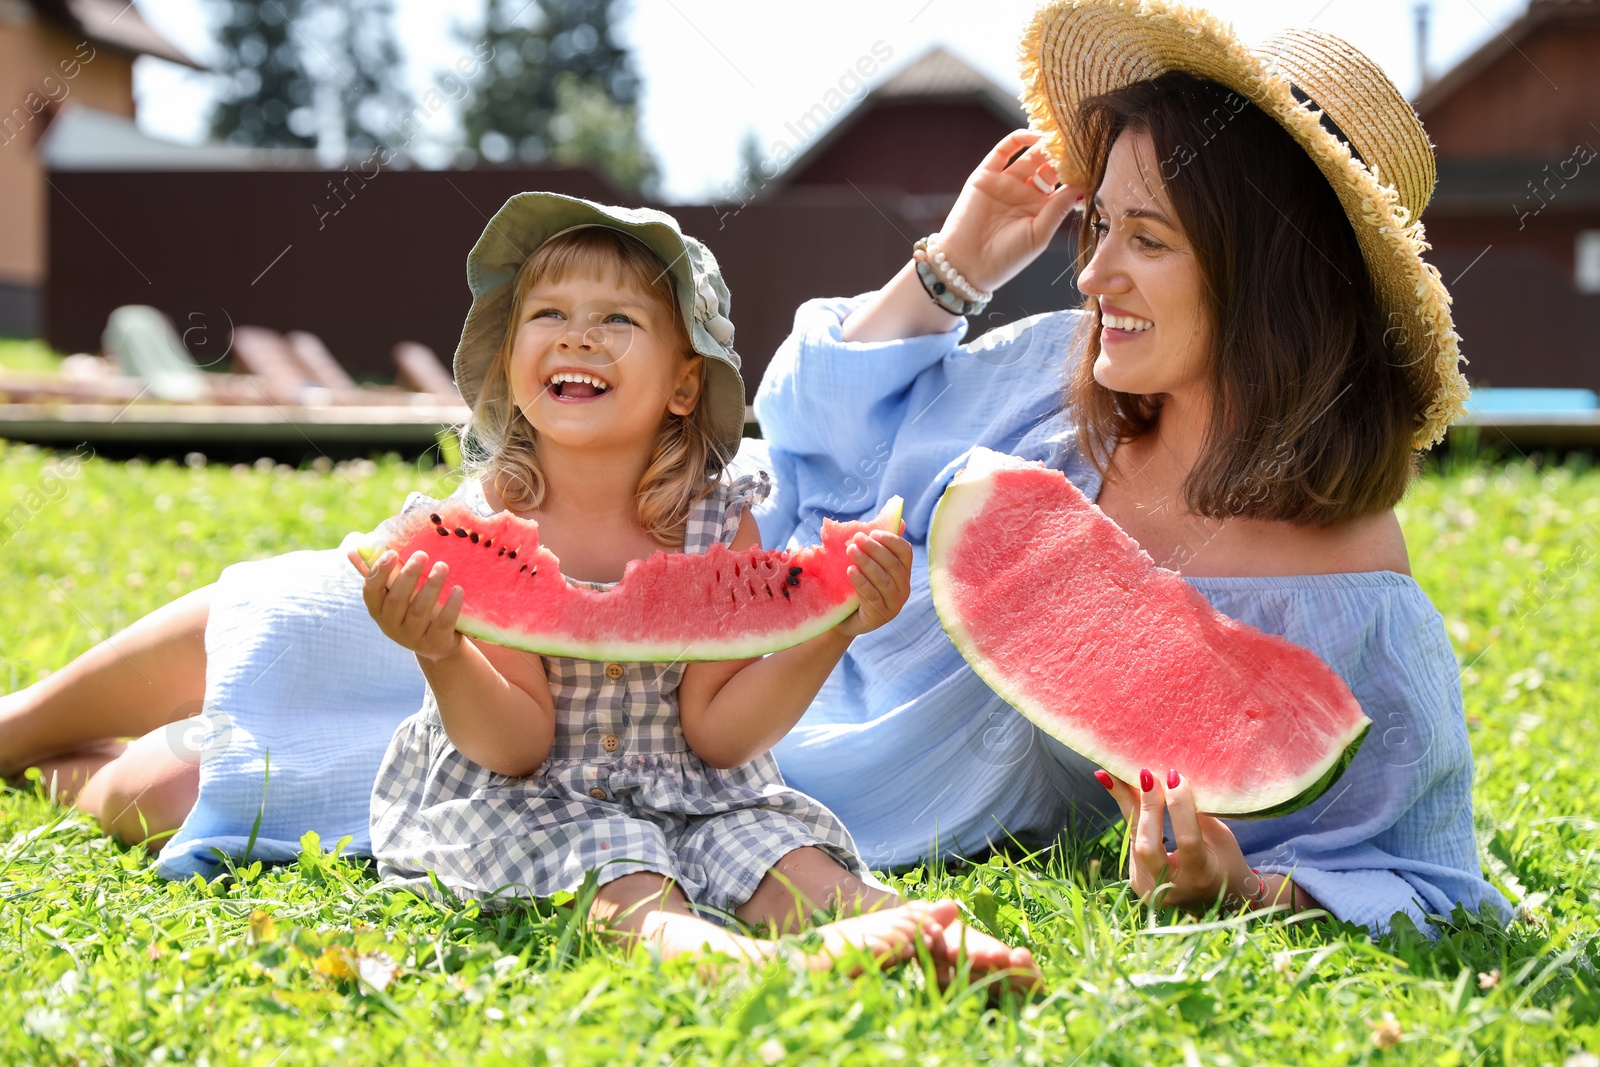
685, 460
1312, 413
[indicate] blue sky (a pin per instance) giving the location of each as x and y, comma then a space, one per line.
713, 69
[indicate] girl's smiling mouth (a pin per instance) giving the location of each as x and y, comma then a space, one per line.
573, 386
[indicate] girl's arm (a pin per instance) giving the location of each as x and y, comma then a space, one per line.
734, 711
494, 702
1000, 224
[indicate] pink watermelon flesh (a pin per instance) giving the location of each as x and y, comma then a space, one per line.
671, 606
1122, 661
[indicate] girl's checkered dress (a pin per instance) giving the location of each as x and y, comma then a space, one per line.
620, 793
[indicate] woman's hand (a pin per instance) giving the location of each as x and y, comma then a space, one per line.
881, 573
1003, 219
409, 614
1207, 864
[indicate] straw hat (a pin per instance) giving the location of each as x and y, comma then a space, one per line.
528, 220
1334, 101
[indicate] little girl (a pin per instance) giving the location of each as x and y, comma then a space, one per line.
606, 399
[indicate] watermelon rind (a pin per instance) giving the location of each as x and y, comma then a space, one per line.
1316, 790
964, 501
704, 647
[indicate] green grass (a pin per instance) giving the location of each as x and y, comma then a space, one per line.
106, 963
27, 355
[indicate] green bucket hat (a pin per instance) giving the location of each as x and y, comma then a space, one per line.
528, 220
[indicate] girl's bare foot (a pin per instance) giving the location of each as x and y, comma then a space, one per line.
987, 955
884, 937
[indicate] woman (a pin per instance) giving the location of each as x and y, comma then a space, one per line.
1262, 353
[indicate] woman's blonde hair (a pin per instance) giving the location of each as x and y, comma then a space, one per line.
500, 445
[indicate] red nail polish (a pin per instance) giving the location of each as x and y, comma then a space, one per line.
1172, 779
1103, 778
1147, 781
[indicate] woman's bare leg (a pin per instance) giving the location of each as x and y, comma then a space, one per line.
146, 792
151, 674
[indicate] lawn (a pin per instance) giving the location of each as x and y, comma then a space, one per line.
307, 963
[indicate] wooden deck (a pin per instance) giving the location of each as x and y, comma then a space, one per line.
168, 428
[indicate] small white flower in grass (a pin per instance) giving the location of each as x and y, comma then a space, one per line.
1488, 980
494, 1014
376, 970
1583, 1059
1281, 962
1386, 1031
772, 1051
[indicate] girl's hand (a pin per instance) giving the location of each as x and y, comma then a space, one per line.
409, 614
881, 573
1207, 864
1002, 220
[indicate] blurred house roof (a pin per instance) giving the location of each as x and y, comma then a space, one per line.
85, 138
1538, 14
114, 23
922, 130
938, 73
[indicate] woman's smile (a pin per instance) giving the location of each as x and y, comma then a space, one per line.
1118, 326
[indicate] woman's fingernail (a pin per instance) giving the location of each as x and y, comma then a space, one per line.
1172, 779
1147, 781
1103, 778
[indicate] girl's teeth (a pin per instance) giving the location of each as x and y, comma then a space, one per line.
584, 379
1126, 322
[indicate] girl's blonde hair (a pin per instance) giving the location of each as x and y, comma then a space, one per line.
499, 443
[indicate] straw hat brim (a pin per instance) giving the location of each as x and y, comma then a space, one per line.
1076, 49
527, 221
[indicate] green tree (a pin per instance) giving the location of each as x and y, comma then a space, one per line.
368, 66
268, 98
559, 89
286, 58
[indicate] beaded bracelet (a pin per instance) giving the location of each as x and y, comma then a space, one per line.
952, 276
941, 289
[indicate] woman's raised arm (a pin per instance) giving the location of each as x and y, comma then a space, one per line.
1000, 223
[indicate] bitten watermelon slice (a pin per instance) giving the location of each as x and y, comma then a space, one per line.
671, 606
1122, 661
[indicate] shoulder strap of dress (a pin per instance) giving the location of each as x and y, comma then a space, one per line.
714, 518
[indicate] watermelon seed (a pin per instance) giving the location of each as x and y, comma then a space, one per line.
460, 532
522, 568
487, 541
437, 521
513, 553
502, 550
784, 590
794, 572
474, 536
443, 532
794, 579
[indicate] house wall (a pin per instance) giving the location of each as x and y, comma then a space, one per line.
922, 147
1518, 142
1522, 320
42, 67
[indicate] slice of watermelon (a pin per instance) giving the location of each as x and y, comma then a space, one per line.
1070, 622
671, 606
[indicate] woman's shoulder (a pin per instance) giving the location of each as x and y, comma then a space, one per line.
1366, 544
